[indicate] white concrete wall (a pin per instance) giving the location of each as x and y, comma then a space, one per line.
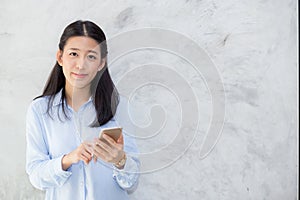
253, 44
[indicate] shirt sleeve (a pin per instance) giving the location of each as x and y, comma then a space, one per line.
127, 178
44, 172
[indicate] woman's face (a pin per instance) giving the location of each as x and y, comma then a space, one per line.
80, 60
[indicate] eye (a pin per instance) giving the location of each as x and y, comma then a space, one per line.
73, 54
92, 57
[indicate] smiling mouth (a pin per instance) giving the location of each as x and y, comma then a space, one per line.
78, 75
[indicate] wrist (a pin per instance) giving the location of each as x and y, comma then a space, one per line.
66, 162
121, 163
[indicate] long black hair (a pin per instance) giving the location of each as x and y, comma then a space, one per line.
104, 93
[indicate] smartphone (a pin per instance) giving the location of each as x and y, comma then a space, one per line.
113, 132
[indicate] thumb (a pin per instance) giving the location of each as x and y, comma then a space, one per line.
121, 140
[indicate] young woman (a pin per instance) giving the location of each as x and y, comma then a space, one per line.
64, 155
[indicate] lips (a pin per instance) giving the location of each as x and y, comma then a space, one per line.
78, 75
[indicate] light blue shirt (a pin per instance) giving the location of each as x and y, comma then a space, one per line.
49, 139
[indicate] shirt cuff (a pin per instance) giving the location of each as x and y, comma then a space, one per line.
59, 173
128, 176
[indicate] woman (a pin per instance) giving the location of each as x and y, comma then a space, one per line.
64, 155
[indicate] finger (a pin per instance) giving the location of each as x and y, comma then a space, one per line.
86, 156
86, 153
88, 147
99, 155
84, 159
104, 155
99, 152
110, 141
104, 145
120, 139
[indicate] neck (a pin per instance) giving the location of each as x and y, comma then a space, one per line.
76, 97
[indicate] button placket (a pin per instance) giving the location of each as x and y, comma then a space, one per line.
77, 126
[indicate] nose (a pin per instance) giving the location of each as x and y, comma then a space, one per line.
80, 63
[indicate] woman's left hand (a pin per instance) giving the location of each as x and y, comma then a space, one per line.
109, 150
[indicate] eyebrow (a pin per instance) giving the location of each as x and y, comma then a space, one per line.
90, 51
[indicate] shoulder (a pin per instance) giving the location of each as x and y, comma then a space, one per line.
123, 106
41, 103
38, 105
125, 111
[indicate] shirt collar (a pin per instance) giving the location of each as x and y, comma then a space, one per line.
57, 99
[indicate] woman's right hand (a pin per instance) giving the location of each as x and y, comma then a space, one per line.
84, 152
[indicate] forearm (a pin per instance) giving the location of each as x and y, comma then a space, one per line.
47, 173
66, 162
127, 178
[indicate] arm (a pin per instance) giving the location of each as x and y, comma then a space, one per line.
44, 172
127, 174
127, 178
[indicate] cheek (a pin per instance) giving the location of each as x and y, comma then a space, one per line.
69, 64
66, 71
94, 66
93, 70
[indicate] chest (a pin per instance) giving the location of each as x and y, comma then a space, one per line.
63, 136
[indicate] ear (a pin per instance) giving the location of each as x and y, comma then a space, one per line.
59, 57
103, 61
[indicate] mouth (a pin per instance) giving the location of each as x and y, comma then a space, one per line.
78, 75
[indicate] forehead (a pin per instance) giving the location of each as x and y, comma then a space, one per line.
82, 43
